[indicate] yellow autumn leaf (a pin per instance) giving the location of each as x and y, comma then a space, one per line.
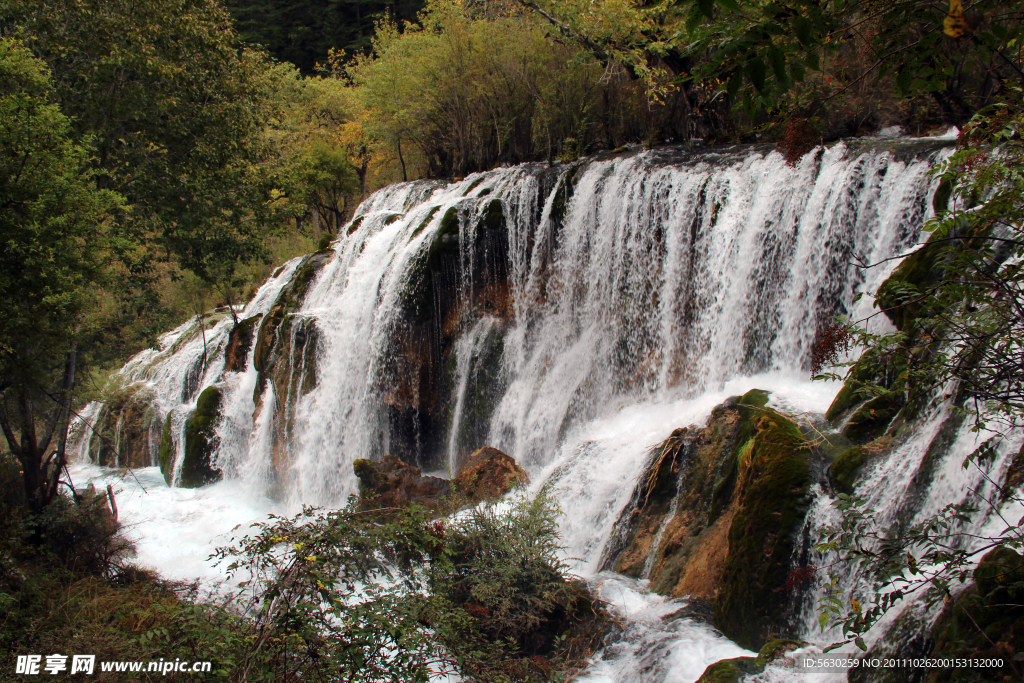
955, 25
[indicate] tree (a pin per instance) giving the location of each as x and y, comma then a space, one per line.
780, 58
177, 114
57, 245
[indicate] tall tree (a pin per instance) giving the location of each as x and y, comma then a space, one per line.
55, 257
178, 116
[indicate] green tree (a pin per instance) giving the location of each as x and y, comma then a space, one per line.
57, 253
178, 116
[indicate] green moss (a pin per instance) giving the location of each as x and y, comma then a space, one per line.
868, 370
754, 397
484, 192
940, 200
844, 469
916, 273
473, 186
392, 218
325, 242
1000, 571
166, 450
986, 621
197, 468
774, 481
731, 670
354, 225
872, 419
371, 481
425, 222
734, 670
493, 217
449, 223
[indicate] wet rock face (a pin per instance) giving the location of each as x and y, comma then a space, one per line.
239, 343
487, 475
459, 277
124, 434
717, 514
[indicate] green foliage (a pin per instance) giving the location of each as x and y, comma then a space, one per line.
58, 249
470, 87
387, 594
177, 114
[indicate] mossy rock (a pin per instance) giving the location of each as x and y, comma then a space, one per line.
197, 467
417, 294
371, 481
986, 621
865, 372
734, 670
354, 225
239, 342
774, 483
872, 419
844, 469
1000, 574
325, 242
449, 223
290, 299
166, 450
731, 670
473, 185
425, 222
755, 397
915, 274
493, 216
943, 193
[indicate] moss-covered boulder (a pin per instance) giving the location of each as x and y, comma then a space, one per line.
734, 670
200, 441
716, 516
845, 468
871, 420
772, 499
986, 621
899, 296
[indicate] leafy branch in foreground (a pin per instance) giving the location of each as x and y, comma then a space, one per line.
388, 594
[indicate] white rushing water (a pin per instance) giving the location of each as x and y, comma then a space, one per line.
660, 287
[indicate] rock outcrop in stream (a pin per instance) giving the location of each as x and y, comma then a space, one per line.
486, 476
717, 514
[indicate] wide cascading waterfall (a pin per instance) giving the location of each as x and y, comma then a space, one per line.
570, 315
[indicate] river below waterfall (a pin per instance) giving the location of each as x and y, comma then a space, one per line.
572, 316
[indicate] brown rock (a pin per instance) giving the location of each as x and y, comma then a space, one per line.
393, 483
239, 343
488, 474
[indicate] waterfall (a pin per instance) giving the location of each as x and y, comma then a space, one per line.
571, 316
